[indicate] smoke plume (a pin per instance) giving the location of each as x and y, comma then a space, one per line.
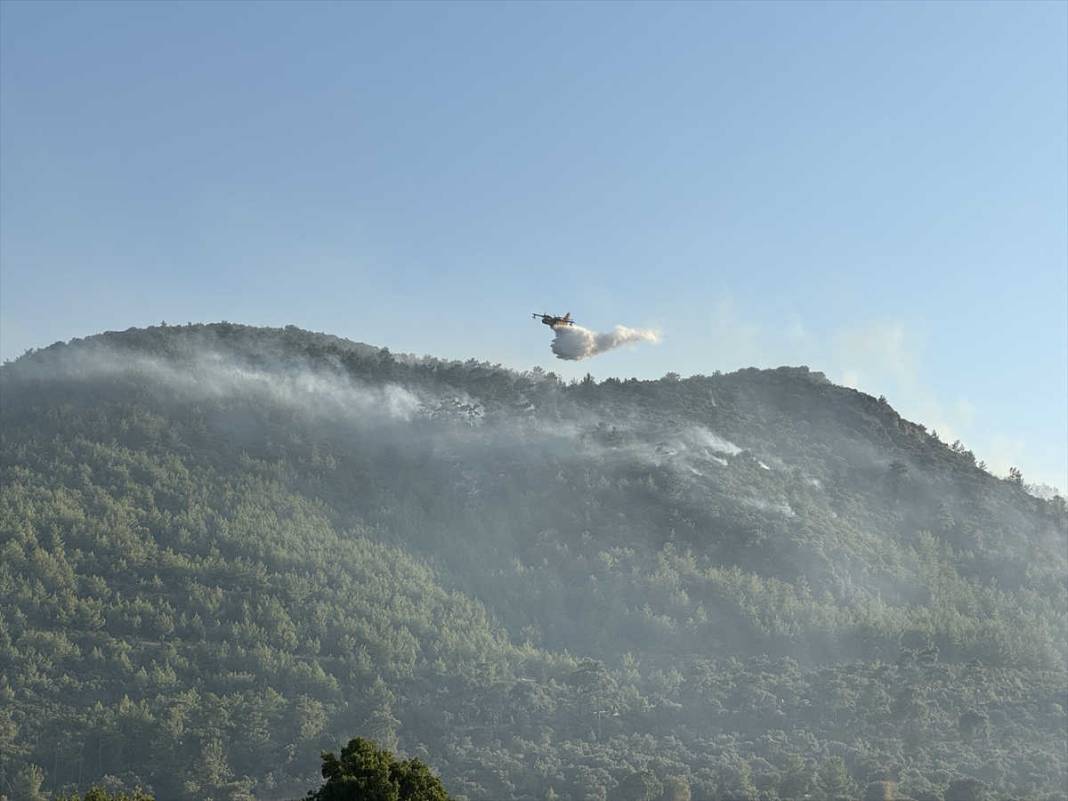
573, 342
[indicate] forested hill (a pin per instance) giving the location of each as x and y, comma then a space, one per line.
225, 549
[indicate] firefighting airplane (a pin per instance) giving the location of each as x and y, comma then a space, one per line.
552, 321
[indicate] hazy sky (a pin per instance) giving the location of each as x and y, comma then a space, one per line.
876, 190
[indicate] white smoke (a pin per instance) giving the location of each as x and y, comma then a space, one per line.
574, 342
203, 374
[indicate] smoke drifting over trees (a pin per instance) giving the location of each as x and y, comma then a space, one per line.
225, 550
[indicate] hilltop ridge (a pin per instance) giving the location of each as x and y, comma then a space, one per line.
852, 408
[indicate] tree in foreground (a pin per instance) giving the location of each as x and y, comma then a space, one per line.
365, 772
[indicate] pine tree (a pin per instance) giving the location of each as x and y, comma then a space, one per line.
833, 781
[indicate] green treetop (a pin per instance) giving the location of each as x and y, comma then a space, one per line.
365, 772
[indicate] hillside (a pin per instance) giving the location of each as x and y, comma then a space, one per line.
225, 549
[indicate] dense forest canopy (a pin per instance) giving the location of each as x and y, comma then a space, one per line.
225, 549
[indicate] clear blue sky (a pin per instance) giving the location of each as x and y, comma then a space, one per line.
875, 190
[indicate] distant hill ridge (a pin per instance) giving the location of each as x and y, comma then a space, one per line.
256, 343
224, 549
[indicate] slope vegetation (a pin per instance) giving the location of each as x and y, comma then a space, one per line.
225, 549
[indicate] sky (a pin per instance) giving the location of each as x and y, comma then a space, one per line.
876, 190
